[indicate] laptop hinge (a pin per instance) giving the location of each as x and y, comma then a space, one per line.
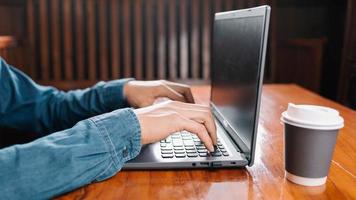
232, 134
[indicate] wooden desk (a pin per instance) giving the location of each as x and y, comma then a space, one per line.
264, 180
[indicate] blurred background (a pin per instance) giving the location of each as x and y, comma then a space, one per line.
75, 43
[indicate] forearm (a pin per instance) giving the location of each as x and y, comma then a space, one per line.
61, 110
93, 150
32, 107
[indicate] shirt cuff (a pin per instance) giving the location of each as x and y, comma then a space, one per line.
113, 93
121, 132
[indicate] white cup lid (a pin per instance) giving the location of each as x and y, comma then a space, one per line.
312, 117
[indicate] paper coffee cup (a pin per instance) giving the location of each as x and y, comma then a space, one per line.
310, 134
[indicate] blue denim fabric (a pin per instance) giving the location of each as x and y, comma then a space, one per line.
88, 150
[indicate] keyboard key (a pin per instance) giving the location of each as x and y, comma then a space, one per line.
188, 143
167, 155
185, 135
192, 154
202, 151
166, 152
216, 154
180, 155
178, 144
222, 150
179, 151
185, 132
203, 154
184, 144
191, 151
167, 148
201, 147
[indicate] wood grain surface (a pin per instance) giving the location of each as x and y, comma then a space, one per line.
264, 180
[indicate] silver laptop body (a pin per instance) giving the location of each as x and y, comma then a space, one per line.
239, 49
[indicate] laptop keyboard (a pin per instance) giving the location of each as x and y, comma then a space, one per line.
184, 144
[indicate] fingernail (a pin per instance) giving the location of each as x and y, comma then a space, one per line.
211, 148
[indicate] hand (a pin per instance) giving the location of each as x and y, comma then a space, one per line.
143, 93
160, 120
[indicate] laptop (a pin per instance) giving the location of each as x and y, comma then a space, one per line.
238, 59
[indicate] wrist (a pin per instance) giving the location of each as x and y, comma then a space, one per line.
126, 90
140, 122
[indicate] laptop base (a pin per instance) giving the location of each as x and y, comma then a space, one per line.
150, 157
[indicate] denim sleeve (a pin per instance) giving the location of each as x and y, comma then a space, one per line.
25, 105
93, 150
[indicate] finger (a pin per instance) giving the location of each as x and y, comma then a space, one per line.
200, 101
182, 89
199, 112
198, 129
166, 91
201, 116
161, 99
190, 105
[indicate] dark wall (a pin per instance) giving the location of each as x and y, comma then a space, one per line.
83, 41
12, 18
316, 19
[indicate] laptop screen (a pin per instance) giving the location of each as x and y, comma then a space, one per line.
236, 72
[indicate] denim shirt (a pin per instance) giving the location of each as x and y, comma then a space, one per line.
85, 135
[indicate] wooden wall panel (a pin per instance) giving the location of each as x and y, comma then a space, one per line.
161, 47
31, 38
183, 35
79, 29
68, 39
44, 39
137, 29
115, 50
126, 11
194, 42
56, 39
148, 31
90, 40
103, 22
91, 30
172, 41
